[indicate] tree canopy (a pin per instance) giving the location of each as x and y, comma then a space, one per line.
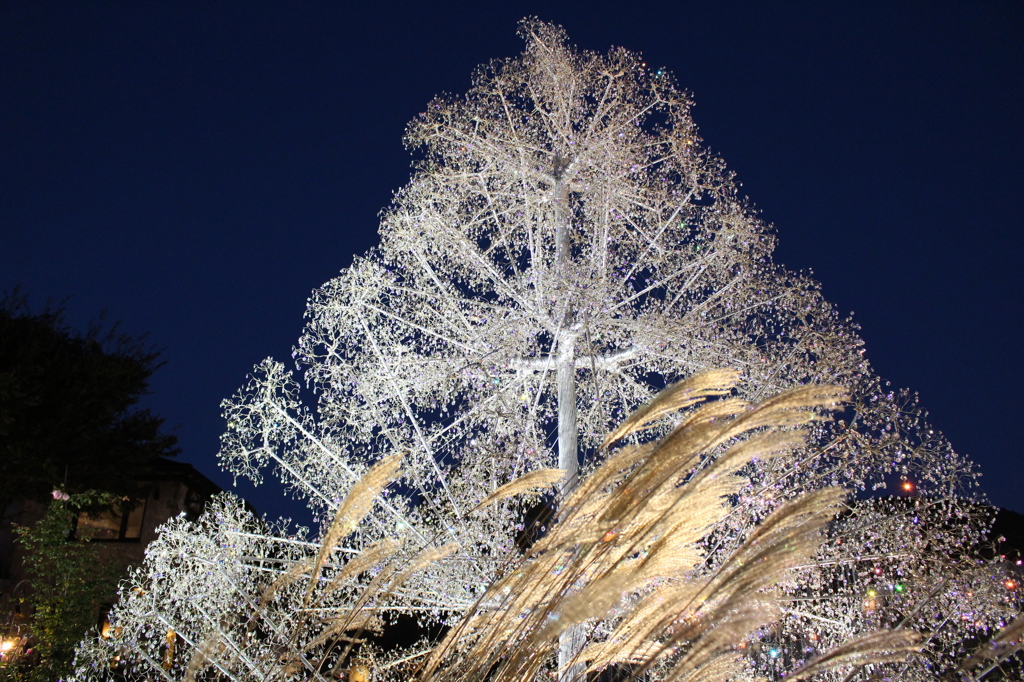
566, 247
69, 405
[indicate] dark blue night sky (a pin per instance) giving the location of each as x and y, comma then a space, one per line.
196, 169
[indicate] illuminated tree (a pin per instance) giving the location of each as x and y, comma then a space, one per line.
565, 248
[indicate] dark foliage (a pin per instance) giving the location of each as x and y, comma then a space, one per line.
69, 409
1008, 534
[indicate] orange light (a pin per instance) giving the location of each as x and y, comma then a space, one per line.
908, 486
171, 639
1011, 584
358, 673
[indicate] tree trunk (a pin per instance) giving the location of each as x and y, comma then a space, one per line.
570, 642
568, 433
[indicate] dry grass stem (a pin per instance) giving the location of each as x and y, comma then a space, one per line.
534, 480
676, 397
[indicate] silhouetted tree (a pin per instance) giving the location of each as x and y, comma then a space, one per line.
69, 405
